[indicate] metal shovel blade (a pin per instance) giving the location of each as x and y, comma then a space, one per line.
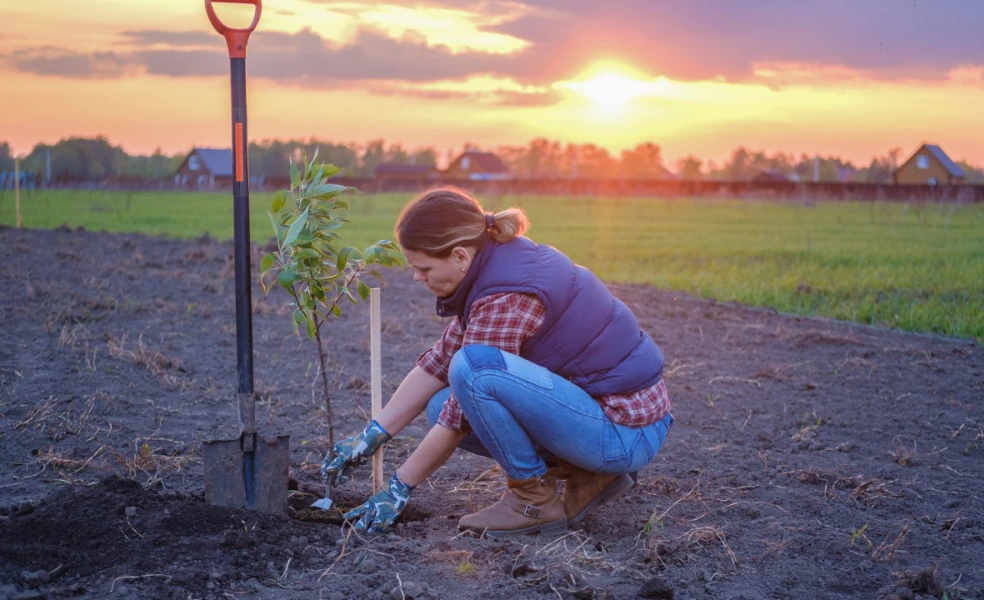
254, 480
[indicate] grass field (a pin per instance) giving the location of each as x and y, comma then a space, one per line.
918, 268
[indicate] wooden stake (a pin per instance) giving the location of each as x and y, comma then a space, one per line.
20, 221
376, 380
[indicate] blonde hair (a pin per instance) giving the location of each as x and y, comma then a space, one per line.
439, 219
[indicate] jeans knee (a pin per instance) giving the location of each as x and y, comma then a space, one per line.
435, 405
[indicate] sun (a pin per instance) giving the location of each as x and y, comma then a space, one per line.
612, 91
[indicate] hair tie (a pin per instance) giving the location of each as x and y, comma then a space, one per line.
489, 221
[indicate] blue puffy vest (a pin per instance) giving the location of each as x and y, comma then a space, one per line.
589, 336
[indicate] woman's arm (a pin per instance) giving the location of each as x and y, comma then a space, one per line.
409, 400
435, 449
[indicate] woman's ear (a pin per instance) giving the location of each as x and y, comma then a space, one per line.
462, 257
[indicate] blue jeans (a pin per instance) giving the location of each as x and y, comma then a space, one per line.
522, 414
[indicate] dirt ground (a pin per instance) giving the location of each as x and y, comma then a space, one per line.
809, 459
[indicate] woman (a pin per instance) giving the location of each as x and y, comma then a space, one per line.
541, 368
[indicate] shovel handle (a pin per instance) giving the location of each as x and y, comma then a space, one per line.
236, 39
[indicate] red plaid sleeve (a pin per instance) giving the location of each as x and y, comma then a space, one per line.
437, 359
504, 321
640, 408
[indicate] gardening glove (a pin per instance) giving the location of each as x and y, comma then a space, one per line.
352, 452
380, 511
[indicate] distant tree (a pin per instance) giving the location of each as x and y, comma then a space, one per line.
645, 161
425, 156
975, 175
881, 169
6, 157
79, 158
689, 167
594, 162
396, 154
373, 156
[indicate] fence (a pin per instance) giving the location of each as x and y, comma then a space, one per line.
664, 188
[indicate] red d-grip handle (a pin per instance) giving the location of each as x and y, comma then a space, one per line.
235, 38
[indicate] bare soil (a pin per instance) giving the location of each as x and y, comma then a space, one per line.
809, 459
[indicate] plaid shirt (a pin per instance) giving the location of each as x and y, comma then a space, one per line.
506, 321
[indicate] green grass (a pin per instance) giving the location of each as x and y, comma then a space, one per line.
899, 265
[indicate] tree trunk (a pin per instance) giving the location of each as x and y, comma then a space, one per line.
323, 357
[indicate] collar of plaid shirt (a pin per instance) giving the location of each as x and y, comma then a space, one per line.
454, 305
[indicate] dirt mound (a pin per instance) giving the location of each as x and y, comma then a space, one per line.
116, 536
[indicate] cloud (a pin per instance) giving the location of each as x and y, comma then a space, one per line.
775, 42
150, 37
496, 97
373, 61
305, 57
59, 62
706, 39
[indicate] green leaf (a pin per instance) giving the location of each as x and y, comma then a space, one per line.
298, 317
295, 228
341, 204
319, 172
324, 189
343, 258
286, 277
305, 253
333, 224
276, 228
336, 310
279, 199
331, 170
363, 290
295, 176
311, 330
318, 292
267, 262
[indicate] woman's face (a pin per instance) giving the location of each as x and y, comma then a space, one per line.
441, 275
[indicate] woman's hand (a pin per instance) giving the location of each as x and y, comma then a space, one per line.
352, 452
381, 511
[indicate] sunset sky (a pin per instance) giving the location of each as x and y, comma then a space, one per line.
699, 77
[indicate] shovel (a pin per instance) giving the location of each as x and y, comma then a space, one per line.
249, 471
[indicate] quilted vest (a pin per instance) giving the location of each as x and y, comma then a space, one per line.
588, 336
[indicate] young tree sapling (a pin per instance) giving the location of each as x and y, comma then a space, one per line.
311, 262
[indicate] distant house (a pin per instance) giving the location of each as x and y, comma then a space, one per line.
205, 168
930, 166
404, 171
774, 176
477, 166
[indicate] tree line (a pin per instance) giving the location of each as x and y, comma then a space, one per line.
97, 159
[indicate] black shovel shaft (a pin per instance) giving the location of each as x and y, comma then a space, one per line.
240, 194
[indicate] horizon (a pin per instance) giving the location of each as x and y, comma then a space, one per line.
832, 79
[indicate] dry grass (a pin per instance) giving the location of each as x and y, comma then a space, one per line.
490, 480
730, 379
700, 538
904, 456
45, 416
772, 372
152, 464
890, 544
816, 336
142, 355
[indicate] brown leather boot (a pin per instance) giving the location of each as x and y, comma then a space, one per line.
585, 491
528, 506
